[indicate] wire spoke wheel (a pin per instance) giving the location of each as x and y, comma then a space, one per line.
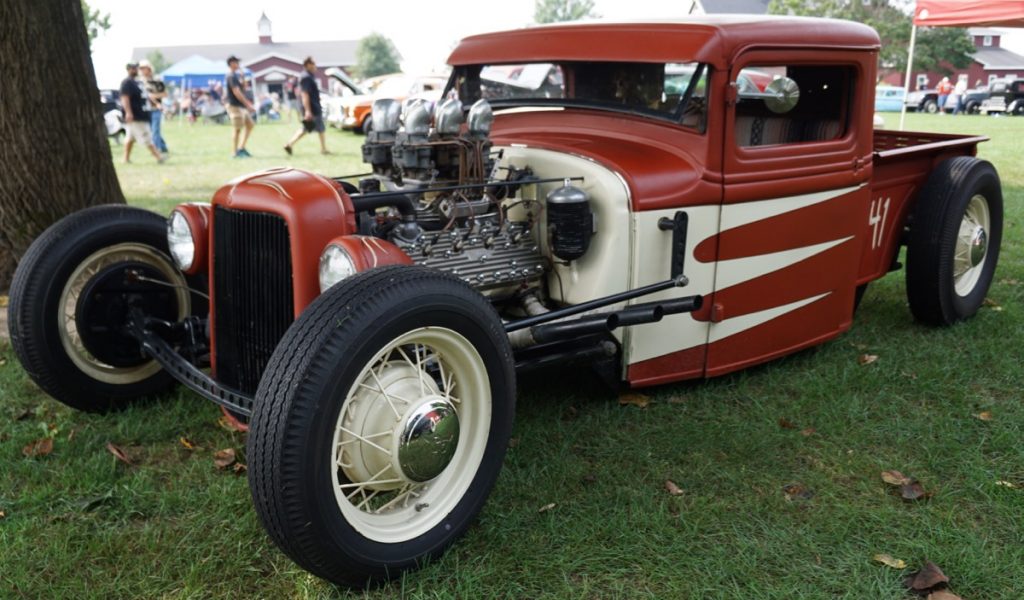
71, 296
406, 444
971, 245
381, 423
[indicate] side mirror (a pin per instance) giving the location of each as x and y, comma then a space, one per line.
780, 96
783, 94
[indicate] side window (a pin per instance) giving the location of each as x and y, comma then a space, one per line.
792, 104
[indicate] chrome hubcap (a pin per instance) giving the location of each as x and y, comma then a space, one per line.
971, 246
426, 439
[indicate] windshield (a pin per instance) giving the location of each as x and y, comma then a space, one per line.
671, 91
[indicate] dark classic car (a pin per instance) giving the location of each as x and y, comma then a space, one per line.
1005, 97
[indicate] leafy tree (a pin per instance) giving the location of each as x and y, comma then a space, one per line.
159, 62
376, 55
555, 11
95, 23
50, 171
937, 49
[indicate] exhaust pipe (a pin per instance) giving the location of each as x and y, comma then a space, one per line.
650, 312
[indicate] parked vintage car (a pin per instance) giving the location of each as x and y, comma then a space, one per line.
340, 89
922, 101
113, 114
370, 328
1006, 97
889, 98
357, 109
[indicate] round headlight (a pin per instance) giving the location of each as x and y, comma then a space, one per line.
180, 241
335, 265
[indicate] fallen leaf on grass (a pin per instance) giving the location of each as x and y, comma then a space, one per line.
3, 515
913, 491
797, 491
634, 399
188, 444
928, 577
119, 454
38, 448
984, 416
1007, 484
787, 424
3, 361
943, 595
546, 507
672, 488
1009, 281
910, 489
230, 425
867, 359
223, 459
889, 561
239, 468
894, 478
990, 303
71, 434
808, 432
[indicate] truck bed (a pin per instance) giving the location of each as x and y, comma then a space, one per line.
902, 161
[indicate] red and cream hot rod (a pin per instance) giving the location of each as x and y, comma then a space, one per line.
668, 200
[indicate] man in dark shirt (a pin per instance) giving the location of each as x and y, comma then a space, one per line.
240, 108
136, 119
313, 118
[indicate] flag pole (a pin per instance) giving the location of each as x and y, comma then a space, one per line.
906, 81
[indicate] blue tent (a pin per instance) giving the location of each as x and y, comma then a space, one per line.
196, 72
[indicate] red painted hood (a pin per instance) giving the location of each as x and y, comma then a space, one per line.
662, 164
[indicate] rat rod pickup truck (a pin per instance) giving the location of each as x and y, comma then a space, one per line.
665, 200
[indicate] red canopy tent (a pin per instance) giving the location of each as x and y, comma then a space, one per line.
958, 13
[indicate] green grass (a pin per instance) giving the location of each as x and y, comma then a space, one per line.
79, 524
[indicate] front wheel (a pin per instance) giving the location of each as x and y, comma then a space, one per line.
954, 241
70, 300
930, 106
381, 423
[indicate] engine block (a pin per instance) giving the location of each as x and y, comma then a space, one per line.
493, 259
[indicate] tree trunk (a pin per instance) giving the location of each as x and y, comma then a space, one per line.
54, 154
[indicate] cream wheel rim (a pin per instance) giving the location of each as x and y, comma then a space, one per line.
971, 250
427, 373
67, 307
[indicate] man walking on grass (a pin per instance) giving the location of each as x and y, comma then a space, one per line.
240, 109
136, 119
312, 119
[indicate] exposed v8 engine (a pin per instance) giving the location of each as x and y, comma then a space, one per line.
453, 208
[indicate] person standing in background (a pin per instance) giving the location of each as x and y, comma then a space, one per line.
313, 118
944, 89
240, 108
291, 102
155, 92
960, 93
136, 119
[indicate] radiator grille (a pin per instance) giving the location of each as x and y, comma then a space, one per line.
253, 302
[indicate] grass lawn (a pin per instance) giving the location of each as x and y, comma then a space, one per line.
80, 524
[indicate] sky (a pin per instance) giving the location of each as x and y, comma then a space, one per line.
424, 31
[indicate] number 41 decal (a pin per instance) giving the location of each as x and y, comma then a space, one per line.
876, 220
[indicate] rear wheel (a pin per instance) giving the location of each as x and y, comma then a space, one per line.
70, 300
972, 108
381, 423
367, 125
954, 241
